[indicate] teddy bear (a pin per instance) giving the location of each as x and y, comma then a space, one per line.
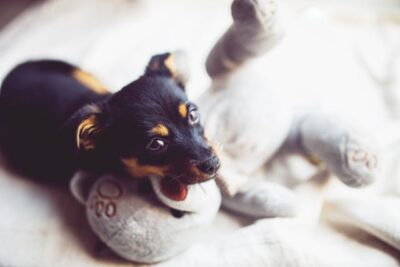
253, 126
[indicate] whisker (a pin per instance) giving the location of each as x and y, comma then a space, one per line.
202, 188
176, 178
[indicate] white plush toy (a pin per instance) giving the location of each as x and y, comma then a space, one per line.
257, 125
254, 124
129, 218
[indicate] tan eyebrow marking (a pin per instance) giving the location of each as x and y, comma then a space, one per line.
160, 129
182, 110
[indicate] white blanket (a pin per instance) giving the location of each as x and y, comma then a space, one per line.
346, 64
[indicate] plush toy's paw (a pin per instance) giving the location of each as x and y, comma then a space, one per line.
353, 161
349, 153
359, 163
263, 200
254, 11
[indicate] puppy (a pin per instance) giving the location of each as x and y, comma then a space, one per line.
56, 118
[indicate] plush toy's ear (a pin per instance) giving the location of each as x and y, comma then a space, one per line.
89, 127
174, 65
80, 185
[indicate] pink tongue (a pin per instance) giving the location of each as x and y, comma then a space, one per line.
174, 190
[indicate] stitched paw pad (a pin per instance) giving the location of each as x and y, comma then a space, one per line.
359, 164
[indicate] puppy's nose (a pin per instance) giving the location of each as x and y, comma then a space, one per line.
209, 166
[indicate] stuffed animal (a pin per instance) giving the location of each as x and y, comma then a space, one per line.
255, 125
137, 221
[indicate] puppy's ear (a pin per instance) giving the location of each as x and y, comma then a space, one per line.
90, 126
174, 65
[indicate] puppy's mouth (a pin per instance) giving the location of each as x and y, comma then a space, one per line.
173, 188
177, 188
186, 198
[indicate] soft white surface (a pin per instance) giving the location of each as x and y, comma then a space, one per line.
318, 60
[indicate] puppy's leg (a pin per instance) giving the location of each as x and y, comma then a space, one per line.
263, 200
347, 153
254, 31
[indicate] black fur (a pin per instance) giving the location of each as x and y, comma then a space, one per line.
42, 106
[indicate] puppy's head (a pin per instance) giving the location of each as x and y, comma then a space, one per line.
150, 127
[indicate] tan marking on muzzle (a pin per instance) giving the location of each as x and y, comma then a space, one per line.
139, 170
199, 174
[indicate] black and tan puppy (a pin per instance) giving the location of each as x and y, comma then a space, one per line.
56, 119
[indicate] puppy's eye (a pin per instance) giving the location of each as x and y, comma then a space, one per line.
194, 116
156, 145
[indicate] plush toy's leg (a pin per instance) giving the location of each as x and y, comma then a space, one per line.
263, 200
348, 154
253, 32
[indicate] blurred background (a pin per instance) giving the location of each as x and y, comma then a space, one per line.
11, 9
352, 44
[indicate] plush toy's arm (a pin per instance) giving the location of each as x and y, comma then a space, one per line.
258, 199
263, 200
347, 153
254, 31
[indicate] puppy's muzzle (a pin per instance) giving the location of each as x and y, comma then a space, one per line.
210, 166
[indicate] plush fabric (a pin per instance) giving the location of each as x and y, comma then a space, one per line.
136, 224
244, 113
